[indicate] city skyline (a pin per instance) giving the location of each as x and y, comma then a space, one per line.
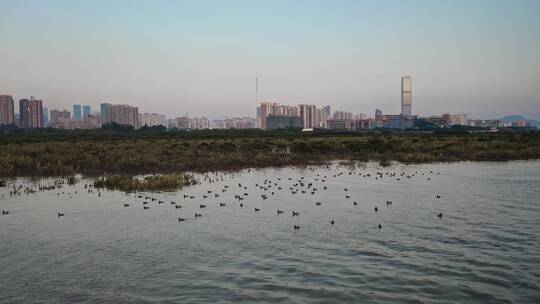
482, 59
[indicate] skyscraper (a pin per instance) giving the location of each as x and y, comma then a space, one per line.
406, 95
7, 110
104, 113
45, 117
31, 113
86, 111
77, 112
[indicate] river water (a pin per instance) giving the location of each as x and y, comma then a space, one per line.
484, 249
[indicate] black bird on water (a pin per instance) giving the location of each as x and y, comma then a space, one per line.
222, 204
126, 205
241, 205
197, 215
332, 222
440, 215
296, 227
257, 209
60, 214
376, 209
295, 213
318, 203
4, 212
145, 207
202, 206
279, 211
181, 219
380, 226
177, 206
355, 203
438, 196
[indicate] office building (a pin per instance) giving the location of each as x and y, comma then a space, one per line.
327, 112
45, 117
104, 113
86, 110
7, 110
77, 112
406, 95
31, 113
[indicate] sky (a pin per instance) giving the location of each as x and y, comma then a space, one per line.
201, 57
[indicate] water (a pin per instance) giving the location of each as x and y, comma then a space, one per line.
485, 249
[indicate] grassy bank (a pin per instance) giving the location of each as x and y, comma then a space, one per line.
58, 155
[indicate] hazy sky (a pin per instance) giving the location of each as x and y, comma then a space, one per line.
201, 57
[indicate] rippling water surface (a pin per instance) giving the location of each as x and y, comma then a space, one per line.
485, 248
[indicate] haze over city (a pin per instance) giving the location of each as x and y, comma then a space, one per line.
475, 57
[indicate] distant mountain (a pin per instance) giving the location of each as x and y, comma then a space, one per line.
514, 118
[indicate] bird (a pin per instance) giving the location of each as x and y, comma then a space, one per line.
355, 203
438, 196
181, 219
296, 227
257, 209
380, 226
439, 215
295, 213
388, 203
60, 214
332, 222
173, 203
347, 196
145, 207
202, 206
197, 215
222, 204
279, 211
241, 205
376, 209
4, 212
145, 203
318, 203
177, 206
126, 205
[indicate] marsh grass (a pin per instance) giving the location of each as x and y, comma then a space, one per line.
149, 183
58, 156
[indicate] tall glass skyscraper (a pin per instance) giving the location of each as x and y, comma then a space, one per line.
86, 111
77, 112
45, 117
406, 95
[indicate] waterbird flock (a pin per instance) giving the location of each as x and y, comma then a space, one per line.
266, 188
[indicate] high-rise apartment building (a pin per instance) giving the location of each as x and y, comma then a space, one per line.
267, 109
307, 113
150, 119
77, 112
86, 111
406, 95
31, 113
7, 110
122, 114
60, 119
